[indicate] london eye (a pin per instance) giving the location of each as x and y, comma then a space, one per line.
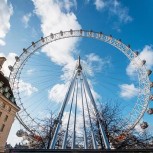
39, 86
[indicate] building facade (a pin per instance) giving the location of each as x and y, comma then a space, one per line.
8, 107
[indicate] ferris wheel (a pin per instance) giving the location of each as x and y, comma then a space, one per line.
42, 73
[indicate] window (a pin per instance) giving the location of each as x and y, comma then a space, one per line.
2, 104
9, 108
6, 89
5, 119
1, 90
7, 95
0, 114
2, 128
1, 83
12, 99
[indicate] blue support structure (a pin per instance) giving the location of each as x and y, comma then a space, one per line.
52, 146
85, 88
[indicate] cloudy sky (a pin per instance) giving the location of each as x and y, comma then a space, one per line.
43, 82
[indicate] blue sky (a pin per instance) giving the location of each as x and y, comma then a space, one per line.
108, 70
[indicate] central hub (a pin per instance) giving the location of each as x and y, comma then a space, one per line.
79, 67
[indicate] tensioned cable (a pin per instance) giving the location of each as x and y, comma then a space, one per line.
36, 94
84, 125
74, 134
89, 116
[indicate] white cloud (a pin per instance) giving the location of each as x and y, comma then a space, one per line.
79, 121
12, 136
6, 10
68, 70
68, 5
146, 54
92, 57
2, 43
131, 70
138, 128
121, 12
57, 93
61, 52
26, 19
94, 63
115, 8
128, 91
100, 4
26, 88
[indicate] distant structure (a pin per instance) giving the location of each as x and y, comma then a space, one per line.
8, 107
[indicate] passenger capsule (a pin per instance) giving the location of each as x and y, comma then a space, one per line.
119, 40
51, 35
17, 58
144, 125
24, 50
149, 72
143, 62
81, 31
151, 98
136, 53
20, 133
150, 111
129, 46
151, 85
28, 138
42, 39
71, 32
31, 135
61, 32
90, 32
100, 34
10, 68
33, 44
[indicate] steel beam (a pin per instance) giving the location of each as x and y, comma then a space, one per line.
66, 133
52, 146
74, 127
91, 127
84, 124
106, 143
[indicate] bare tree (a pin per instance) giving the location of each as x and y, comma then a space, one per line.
111, 116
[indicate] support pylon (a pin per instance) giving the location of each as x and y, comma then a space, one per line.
73, 87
